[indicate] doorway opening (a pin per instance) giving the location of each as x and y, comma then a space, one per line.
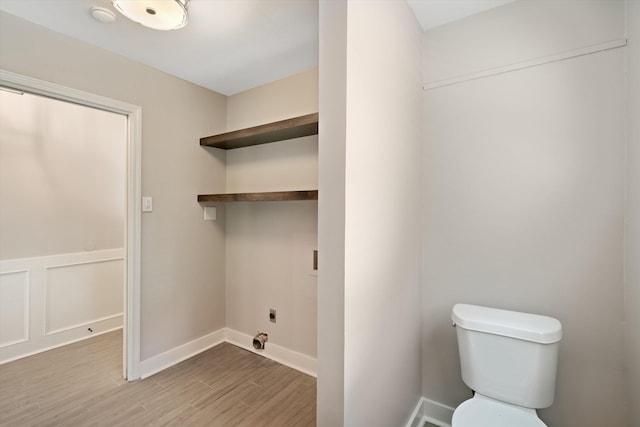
132, 220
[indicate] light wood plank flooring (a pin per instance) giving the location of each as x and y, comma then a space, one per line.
81, 385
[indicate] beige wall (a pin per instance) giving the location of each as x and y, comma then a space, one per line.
377, 164
632, 266
282, 165
331, 212
524, 202
282, 99
270, 245
62, 177
183, 256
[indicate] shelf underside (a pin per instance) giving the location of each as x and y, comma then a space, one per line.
274, 196
277, 131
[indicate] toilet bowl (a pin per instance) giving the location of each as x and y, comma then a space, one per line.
482, 411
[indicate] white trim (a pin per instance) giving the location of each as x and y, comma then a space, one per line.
527, 64
293, 359
83, 324
284, 356
437, 413
62, 260
72, 260
131, 349
131, 345
27, 306
39, 335
415, 419
56, 91
430, 411
22, 356
176, 355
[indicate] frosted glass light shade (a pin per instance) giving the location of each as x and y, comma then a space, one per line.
156, 14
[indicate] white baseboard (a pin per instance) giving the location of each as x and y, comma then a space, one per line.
415, 419
59, 339
176, 355
293, 359
290, 358
54, 300
430, 411
110, 325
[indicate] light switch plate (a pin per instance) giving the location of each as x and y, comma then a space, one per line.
147, 204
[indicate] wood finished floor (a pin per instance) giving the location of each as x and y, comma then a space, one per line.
81, 385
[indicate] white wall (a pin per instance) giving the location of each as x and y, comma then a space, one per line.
381, 217
62, 177
524, 180
632, 265
518, 32
49, 301
183, 256
270, 244
62, 196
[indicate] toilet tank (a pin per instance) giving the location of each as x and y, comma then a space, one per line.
507, 355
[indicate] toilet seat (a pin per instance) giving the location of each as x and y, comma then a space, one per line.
482, 411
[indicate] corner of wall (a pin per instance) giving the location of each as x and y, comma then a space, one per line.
632, 225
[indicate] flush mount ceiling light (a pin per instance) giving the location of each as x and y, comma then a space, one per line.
156, 14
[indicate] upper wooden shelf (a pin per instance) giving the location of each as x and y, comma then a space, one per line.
274, 196
264, 134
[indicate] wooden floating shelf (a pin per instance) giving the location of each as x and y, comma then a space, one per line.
264, 134
275, 196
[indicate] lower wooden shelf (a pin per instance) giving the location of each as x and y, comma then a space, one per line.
273, 196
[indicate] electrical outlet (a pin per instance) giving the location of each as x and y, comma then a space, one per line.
272, 315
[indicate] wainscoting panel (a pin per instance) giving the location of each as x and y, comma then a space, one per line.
46, 302
14, 307
78, 294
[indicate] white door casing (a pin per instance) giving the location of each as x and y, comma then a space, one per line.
131, 335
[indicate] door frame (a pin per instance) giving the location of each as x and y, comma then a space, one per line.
131, 309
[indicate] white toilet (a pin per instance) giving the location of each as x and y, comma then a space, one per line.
509, 360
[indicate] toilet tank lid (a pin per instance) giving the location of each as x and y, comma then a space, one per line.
523, 326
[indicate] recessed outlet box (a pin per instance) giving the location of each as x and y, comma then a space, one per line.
272, 315
209, 213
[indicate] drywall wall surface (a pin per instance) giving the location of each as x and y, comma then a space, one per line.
283, 165
524, 182
331, 211
182, 276
270, 245
632, 264
519, 32
270, 266
278, 166
62, 177
292, 96
382, 288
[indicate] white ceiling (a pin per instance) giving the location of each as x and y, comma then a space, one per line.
228, 45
